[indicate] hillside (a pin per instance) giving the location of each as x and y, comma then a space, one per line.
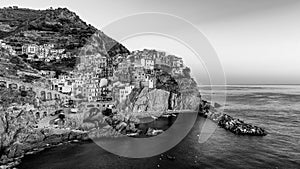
10, 65
60, 27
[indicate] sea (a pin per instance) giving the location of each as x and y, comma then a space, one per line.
276, 108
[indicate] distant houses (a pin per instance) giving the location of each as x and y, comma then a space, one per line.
100, 78
140, 67
45, 52
9, 48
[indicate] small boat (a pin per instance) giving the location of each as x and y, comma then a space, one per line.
165, 115
171, 157
132, 134
154, 117
153, 132
157, 132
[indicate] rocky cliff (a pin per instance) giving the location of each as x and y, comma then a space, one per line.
171, 94
150, 102
19, 134
18, 127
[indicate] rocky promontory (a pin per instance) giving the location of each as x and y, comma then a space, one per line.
229, 123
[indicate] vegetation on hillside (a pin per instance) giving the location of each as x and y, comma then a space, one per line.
9, 96
61, 27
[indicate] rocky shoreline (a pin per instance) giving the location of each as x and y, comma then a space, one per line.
20, 135
13, 162
50, 138
229, 123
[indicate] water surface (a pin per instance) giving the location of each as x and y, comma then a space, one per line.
275, 108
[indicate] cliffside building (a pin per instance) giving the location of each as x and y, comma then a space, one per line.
147, 63
124, 92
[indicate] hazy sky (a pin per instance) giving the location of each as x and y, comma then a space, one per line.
257, 41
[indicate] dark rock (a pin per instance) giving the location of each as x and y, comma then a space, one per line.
227, 122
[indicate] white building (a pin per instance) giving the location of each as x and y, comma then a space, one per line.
30, 49
147, 63
63, 85
177, 70
150, 82
177, 62
124, 92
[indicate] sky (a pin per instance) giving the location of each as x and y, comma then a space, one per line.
257, 41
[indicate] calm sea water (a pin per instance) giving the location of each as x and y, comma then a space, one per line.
275, 108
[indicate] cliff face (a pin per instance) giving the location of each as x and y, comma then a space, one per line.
19, 135
18, 132
150, 102
16, 126
170, 95
189, 94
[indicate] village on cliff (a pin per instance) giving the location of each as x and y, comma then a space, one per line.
96, 80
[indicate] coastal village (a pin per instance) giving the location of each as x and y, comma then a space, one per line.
104, 82
97, 79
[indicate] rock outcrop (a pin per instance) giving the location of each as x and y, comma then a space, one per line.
189, 97
227, 122
151, 101
18, 132
170, 94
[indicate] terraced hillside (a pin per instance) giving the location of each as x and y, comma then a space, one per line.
61, 27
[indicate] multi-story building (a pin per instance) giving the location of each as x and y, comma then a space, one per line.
138, 74
48, 74
176, 61
30, 50
147, 63
177, 71
63, 86
124, 92
150, 81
